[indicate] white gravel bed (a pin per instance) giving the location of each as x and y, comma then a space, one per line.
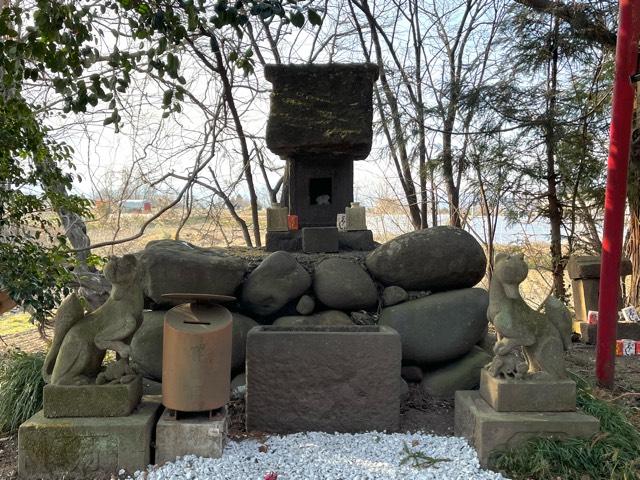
322, 456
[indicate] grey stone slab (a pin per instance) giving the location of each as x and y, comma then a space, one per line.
320, 240
83, 448
332, 379
193, 435
117, 400
589, 331
360, 240
489, 431
290, 241
512, 395
588, 266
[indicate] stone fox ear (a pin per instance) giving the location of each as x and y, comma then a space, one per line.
130, 258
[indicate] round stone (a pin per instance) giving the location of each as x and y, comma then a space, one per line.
306, 305
342, 284
461, 374
275, 282
440, 327
394, 295
435, 259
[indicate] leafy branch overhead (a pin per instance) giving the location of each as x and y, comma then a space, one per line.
68, 48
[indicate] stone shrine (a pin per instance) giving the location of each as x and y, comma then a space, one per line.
320, 123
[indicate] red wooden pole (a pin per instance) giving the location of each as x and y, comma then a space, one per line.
616, 192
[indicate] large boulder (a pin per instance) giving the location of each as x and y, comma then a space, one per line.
170, 266
462, 374
344, 285
440, 327
146, 344
327, 318
436, 259
277, 280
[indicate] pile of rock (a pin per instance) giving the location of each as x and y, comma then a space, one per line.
419, 283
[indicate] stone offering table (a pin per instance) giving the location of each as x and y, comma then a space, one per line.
332, 379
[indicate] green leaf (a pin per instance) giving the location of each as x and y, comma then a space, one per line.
297, 19
314, 18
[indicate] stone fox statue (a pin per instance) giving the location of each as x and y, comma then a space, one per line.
543, 336
80, 341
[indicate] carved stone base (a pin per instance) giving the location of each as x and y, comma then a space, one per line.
589, 331
117, 400
507, 395
82, 448
489, 431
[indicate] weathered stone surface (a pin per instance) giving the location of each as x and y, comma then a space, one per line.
586, 293
461, 374
394, 295
588, 266
528, 395
342, 284
412, 373
277, 280
146, 345
490, 431
241, 326
117, 400
628, 330
193, 435
238, 386
290, 241
438, 258
356, 217
170, 266
350, 381
306, 305
326, 318
320, 240
487, 342
82, 448
440, 327
361, 240
321, 110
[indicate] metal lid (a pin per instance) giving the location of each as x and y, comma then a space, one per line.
195, 318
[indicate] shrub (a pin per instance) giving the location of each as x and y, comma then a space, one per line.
21, 386
614, 453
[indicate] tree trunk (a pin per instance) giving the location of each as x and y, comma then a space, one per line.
555, 210
633, 196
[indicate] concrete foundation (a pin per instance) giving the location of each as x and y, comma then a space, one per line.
589, 331
193, 435
82, 448
291, 241
91, 400
332, 379
489, 431
507, 395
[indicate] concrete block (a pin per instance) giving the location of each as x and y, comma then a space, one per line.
196, 434
361, 240
510, 395
589, 331
588, 266
319, 239
290, 241
82, 448
356, 217
277, 220
490, 431
117, 400
332, 379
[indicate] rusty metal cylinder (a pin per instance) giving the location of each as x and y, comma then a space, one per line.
196, 357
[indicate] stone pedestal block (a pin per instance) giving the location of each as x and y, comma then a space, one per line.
332, 379
490, 431
320, 240
82, 448
507, 395
589, 331
193, 435
277, 219
361, 240
356, 217
91, 400
291, 241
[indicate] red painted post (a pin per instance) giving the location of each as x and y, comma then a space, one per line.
615, 196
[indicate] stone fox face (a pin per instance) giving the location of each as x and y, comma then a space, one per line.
511, 270
121, 270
